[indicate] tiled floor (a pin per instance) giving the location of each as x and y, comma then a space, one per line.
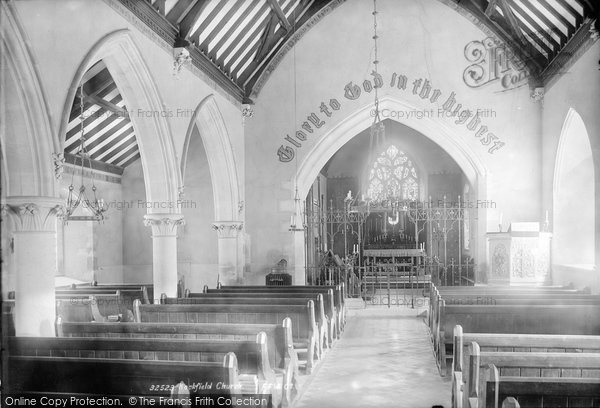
384, 359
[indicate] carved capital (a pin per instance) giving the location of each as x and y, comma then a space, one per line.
163, 225
33, 213
228, 229
59, 164
537, 94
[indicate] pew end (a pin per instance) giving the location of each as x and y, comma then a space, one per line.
510, 402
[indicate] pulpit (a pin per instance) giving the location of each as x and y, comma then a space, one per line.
519, 256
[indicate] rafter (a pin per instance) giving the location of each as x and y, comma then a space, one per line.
577, 16
190, 18
558, 16
217, 30
500, 27
106, 105
280, 14
512, 21
491, 7
179, 10
539, 32
542, 17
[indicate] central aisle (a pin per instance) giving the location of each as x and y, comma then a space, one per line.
384, 359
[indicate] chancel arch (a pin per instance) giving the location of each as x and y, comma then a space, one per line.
434, 130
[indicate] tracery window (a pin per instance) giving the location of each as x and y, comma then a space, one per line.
393, 176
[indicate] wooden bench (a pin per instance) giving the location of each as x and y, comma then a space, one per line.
304, 328
282, 356
257, 376
518, 319
508, 342
491, 294
541, 392
81, 377
334, 306
338, 290
86, 308
526, 369
325, 324
509, 299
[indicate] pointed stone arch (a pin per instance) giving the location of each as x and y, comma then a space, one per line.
215, 138
434, 128
228, 223
162, 177
28, 154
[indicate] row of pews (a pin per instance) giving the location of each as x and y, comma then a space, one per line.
517, 347
253, 342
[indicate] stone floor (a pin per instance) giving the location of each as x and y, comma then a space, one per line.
384, 359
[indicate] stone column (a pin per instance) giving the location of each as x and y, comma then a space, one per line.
299, 273
164, 252
230, 269
33, 226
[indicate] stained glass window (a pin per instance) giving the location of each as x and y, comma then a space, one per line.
393, 176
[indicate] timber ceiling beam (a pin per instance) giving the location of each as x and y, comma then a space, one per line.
179, 10
190, 19
280, 14
106, 105
500, 27
491, 7
512, 21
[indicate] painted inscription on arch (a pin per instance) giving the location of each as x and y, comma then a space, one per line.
421, 88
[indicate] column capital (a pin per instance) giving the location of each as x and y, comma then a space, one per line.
228, 229
32, 213
163, 225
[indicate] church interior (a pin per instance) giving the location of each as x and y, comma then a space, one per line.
300, 203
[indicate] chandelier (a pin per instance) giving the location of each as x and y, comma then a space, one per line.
81, 197
377, 128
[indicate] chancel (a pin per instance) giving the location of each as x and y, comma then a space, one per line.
300, 203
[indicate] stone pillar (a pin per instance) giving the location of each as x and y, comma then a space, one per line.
164, 252
33, 226
299, 273
230, 268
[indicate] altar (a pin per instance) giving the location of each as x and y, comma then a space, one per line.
519, 256
407, 256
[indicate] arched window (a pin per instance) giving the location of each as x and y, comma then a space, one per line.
393, 176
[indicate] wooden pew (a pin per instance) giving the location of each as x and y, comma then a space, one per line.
81, 377
282, 356
325, 324
491, 295
527, 374
538, 392
304, 328
509, 342
339, 290
509, 299
518, 319
104, 306
252, 356
333, 313
334, 305
85, 308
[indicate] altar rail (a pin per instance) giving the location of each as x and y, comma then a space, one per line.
359, 280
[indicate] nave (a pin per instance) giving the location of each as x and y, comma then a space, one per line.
195, 195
